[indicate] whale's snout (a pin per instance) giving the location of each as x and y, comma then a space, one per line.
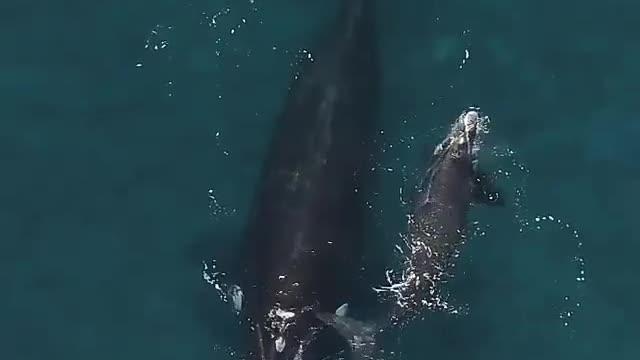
465, 136
470, 120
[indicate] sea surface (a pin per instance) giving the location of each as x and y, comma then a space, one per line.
132, 134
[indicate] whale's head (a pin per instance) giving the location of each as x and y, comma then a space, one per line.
465, 137
453, 174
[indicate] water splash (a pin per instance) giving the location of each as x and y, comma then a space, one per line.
217, 211
213, 277
531, 223
159, 37
226, 352
571, 304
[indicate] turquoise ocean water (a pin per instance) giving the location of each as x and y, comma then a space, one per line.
132, 134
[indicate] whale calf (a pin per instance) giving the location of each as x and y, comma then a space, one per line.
436, 232
305, 232
436, 228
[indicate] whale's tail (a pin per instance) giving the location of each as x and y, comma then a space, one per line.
360, 335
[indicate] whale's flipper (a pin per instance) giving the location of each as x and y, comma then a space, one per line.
485, 190
359, 334
342, 310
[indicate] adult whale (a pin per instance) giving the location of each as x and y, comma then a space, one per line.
304, 235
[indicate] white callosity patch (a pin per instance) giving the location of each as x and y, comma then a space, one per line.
237, 297
280, 343
471, 127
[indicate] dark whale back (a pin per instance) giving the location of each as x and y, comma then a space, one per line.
306, 228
